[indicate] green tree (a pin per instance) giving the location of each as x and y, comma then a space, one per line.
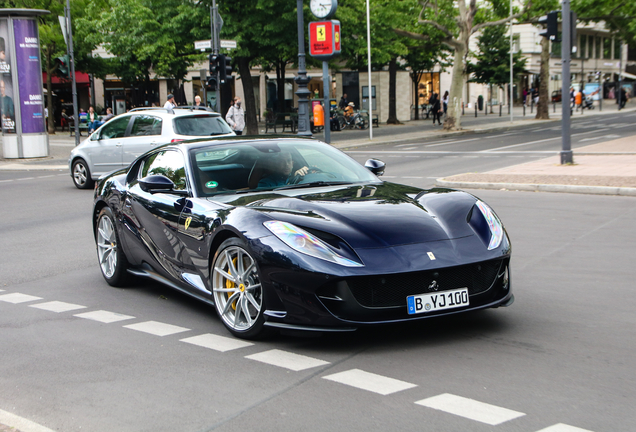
492, 62
147, 35
458, 21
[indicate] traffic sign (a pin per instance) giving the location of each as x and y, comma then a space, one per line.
203, 45
229, 44
324, 39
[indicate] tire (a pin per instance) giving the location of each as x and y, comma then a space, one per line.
237, 290
361, 123
341, 122
112, 259
82, 175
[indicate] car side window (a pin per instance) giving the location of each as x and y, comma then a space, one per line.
115, 128
169, 163
145, 125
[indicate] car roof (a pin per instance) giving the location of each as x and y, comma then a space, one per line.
197, 143
177, 112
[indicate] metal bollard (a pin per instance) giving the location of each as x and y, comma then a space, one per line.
524, 109
486, 108
463, 108
475, 109
500, 110
553, 107
531, 105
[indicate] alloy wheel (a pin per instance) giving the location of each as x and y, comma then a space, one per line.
107, 246
237, 289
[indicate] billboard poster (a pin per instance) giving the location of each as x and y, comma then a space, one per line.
27, 61
593, 90
7, 108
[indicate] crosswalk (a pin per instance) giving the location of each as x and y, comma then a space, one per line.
450, 404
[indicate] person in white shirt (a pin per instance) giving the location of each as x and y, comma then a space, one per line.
170, 102
236, 117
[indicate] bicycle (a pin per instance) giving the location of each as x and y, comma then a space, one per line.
356, 121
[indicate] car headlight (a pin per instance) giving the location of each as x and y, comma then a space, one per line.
495, 225
306, 243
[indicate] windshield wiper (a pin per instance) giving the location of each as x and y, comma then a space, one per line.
313, 184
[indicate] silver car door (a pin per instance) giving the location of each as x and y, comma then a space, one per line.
106, 155
145, 134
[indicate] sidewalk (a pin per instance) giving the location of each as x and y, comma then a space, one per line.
608, 168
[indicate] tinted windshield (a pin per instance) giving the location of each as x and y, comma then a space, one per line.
201, 125
271, 165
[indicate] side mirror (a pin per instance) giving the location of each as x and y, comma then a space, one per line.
95, 136
157, 183
375, 166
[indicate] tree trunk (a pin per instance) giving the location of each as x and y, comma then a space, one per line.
280, 84
453, 116
392, 98
49, 92
251, 125
542, 108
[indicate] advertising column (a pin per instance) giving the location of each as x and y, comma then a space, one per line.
27, 61
7, 108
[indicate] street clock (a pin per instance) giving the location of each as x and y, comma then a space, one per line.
323, 9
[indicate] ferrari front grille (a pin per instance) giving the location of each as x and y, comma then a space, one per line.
392, 290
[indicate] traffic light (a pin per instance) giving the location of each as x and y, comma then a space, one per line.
225, 67
214, 64
210, 84
551, 21
63, 66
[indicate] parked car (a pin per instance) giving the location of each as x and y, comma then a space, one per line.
556, 96
291, 233
122, 139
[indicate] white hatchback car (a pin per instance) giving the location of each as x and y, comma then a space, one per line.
121, 140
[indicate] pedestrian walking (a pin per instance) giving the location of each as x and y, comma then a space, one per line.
445, 101
578, 100
525, 95
170, 104
572, 97
236, 116
435, 108
343, 102
623, 97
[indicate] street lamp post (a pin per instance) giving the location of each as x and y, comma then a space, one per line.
302, 80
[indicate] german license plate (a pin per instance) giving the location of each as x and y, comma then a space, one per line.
423, 303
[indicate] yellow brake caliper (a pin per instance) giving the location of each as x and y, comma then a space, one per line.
230, 284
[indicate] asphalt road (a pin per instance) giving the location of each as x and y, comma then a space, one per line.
562, 354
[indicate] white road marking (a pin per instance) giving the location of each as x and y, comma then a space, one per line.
287, 360
217, 343
104, 316
560, 427
370, 381
411, 177
470, 408
409, 148
20, 423
26, 178
57, 306
453, 142
601, 137
16, 298
156, 328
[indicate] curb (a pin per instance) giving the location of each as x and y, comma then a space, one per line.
589, 190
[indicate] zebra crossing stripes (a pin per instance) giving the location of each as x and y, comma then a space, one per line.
470, 408
57, 306
370, 381
16, 298
105, 317
157, 328
287, 360
560, 427
217, 343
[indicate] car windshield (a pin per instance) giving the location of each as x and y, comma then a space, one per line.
273, 165
201, 125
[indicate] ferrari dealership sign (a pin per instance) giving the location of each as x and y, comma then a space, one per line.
324, 39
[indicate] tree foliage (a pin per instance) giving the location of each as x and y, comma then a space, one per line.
491, 63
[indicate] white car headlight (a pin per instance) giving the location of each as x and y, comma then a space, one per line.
495, 225
306, 243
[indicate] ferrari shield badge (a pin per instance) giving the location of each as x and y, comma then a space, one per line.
187, 222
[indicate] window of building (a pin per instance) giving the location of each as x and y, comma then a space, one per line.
617, 49
516, 42
599, 47
583, 46
607, 48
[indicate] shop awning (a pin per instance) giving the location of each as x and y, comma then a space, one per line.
80, 78
628, 75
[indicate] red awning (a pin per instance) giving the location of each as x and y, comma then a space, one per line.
80, 78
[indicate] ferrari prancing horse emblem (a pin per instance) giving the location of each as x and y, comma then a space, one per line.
187, 222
